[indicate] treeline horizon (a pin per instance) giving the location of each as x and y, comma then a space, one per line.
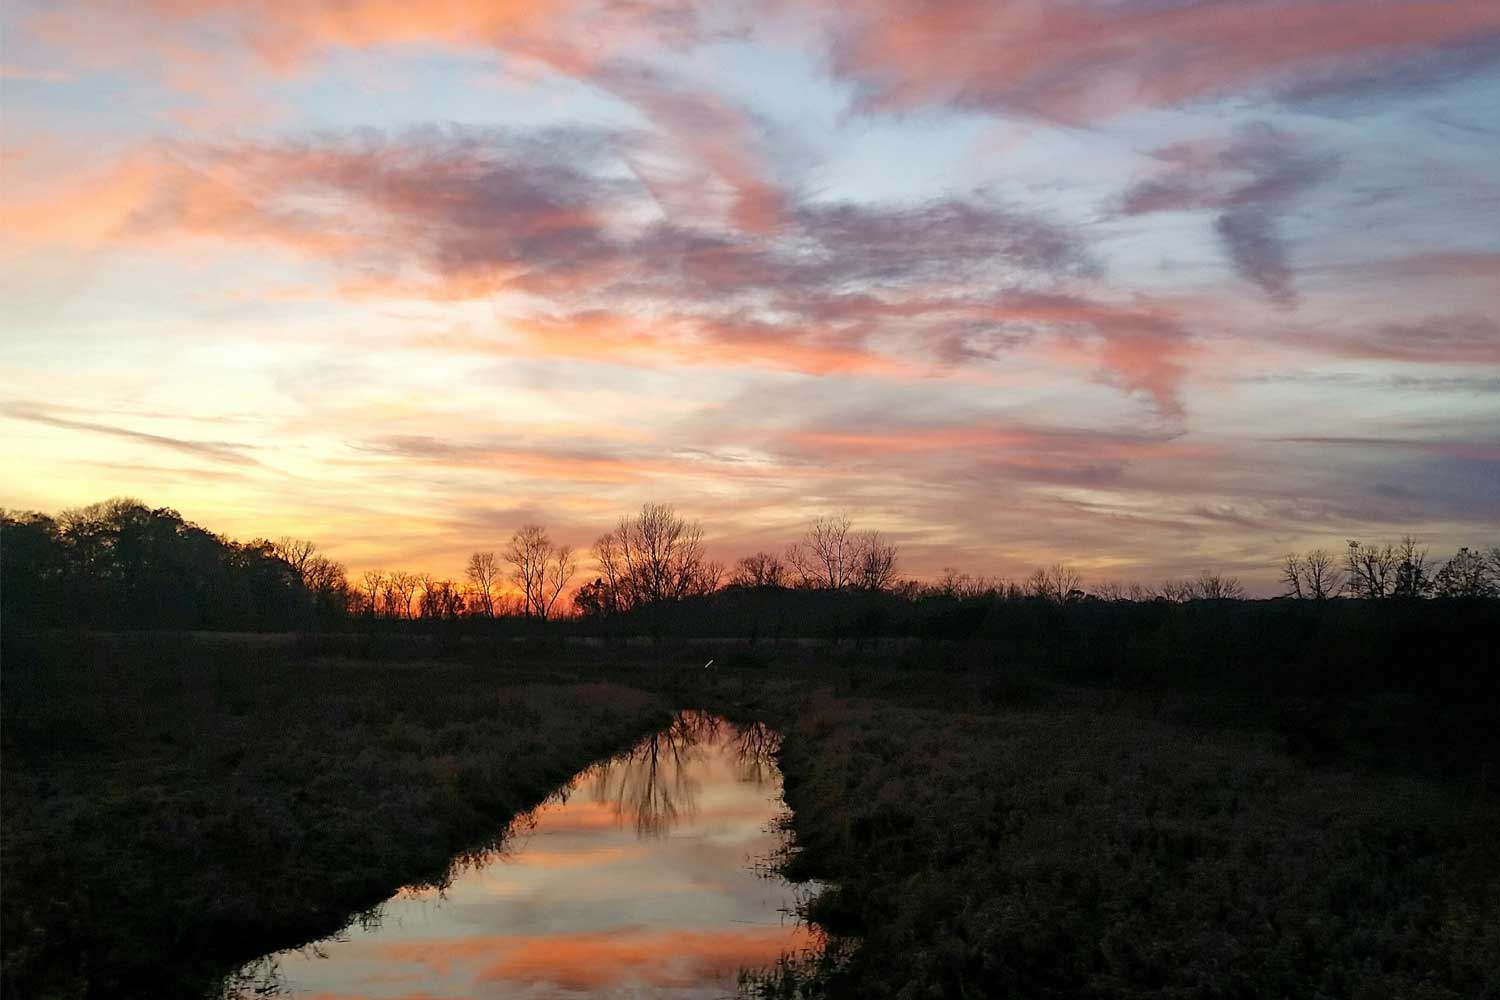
122, 564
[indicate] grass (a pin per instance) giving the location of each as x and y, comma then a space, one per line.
1089, 847
175, 806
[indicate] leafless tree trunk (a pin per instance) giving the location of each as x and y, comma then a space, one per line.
612, 572
1056, 583
1292, 572
529, 551
828, 555
296, 553
1370, 571
1321, 578
1214, 587
560, 568
374, 580
403, 587
1176, 591
875, 563
1411, 570
483, 574
662, 556
759, 570
1467, 574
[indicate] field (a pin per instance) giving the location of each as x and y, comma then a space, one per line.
176, 805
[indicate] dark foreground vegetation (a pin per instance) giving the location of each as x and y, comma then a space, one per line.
1030, 790
1087, 844
1158, 807
177, 805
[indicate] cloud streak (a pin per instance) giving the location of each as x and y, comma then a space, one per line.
1081, 61
217, 451
1250, 180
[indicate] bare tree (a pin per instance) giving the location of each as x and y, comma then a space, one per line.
426, 607
1110, 590
322, 575
708, 578
1467, 574
1214, 587
328, 583
1177, 591
663, 554
374, 580
529, 552
875, 563
1411, 570
610, 592
402, 592
561, 565
1321, 577
760, 570
441, 599
1292, 572
827, 555
650, 557
961, 585
1370, 571
484, 575
1055, 583
296, 553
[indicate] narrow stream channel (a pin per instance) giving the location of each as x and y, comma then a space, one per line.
644, 875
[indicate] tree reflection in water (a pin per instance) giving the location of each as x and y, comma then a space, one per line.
651, 785
587, 894
755, 747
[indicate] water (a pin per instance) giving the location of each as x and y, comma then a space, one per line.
645, 875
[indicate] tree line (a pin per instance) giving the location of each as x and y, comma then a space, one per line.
123, 564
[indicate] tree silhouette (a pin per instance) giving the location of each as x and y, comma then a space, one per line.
374, 583
654, 557
827, 555
1468, 574
484, 575
1211, 586
541, 570
1411, 570
1370, 571
759, 570
1055, 583
402, 593
875, 563
1314, 576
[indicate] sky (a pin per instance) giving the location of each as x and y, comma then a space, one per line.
1142, 286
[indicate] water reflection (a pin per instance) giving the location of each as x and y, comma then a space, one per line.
635, 878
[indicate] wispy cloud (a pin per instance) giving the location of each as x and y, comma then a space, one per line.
1082, 61
1147, 284
218, 451
1250, 181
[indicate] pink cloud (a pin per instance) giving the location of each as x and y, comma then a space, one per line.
1078, 61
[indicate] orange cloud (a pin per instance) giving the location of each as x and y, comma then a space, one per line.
285, 36
694, 340
931, 440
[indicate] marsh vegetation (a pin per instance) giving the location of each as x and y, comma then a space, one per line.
1008, 790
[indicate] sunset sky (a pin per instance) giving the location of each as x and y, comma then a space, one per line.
1146, 286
